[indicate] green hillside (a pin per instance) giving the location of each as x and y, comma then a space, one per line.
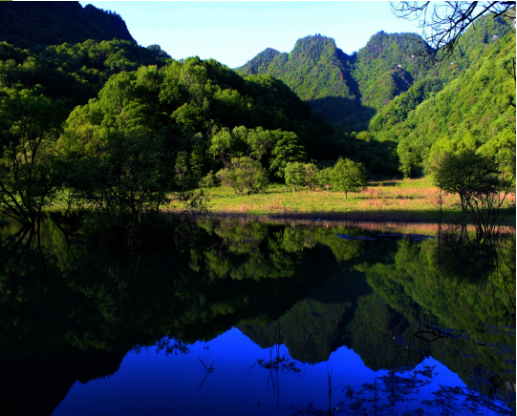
476, 110
318, 72
349, 90
35, 24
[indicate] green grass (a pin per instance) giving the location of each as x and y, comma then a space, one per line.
397, 200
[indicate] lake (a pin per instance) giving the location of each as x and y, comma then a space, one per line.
244, 317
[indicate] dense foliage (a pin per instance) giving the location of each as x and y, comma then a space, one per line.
474, 111
349, 90
245, 176
157, 131
35, 24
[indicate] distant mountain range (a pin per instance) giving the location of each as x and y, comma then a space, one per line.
348, 90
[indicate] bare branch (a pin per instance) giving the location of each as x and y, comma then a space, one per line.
443, 23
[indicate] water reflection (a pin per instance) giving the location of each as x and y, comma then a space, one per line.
76, 298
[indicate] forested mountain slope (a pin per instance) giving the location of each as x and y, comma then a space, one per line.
191, 117
319, 73
71, 73
476, 110
37, 24
349, 90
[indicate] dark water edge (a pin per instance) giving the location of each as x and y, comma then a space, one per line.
227, 316
404, 218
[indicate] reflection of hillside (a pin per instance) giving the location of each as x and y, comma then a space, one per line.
412, 288
425, 283
312, 329
373, 332
36, 385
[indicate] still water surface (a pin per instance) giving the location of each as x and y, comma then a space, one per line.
241, 317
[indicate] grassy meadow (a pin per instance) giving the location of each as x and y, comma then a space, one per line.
393, 200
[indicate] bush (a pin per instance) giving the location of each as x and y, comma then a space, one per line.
209, 181
244, 176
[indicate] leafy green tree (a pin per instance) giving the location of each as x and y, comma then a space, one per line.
287, 149
348, 176
29, 178
482, 188
244, 176
325, 178
209, 181
295, 174
465, 173
407, 157
260, 142
311, 175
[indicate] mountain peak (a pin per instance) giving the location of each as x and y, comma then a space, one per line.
315, 47
260, 62
32, 24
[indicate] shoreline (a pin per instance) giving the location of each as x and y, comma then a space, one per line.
331, 220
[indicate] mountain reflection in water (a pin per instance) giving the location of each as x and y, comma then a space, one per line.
326, 320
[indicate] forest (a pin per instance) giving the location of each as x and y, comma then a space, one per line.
91, 120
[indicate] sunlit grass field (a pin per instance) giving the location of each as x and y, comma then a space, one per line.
403, 200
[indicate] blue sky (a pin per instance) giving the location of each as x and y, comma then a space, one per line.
234, 32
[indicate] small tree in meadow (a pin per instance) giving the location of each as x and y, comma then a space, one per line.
407, 157
295, 174
311, 175
244, 176
325, 178
348, 176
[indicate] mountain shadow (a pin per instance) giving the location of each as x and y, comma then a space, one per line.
346, 113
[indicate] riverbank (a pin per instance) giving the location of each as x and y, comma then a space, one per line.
406, 201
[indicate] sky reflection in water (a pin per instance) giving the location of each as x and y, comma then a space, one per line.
151, 382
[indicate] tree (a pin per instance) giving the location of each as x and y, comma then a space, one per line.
348, 176
259, 142
481, 186
325, 178
463, 174
295, 174
444, 22
29, 128
287, 149
408, 158
311, 175
244, 176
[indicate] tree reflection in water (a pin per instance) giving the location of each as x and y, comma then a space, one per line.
393, 300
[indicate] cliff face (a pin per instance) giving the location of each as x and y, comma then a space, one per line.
34, 24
